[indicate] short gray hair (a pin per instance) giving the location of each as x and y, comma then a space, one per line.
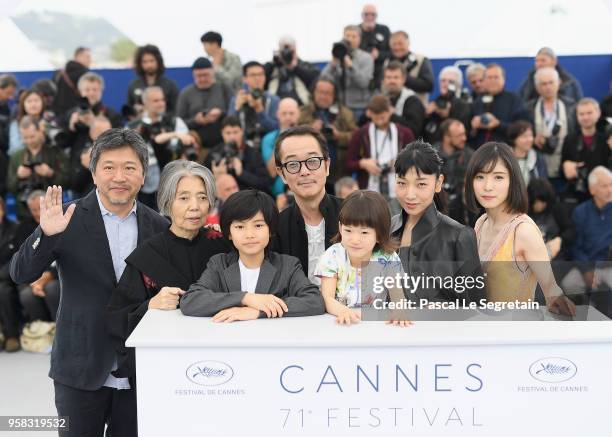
172, 174
35, 195
117, 138
548, 52
457, 72
149, 89
600, 169
345, 181
27, 121
286, 40
474, 68
90, 76
538, 74
588, 101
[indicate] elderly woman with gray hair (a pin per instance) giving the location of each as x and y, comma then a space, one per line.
160, 269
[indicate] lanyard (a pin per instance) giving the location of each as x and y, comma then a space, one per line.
386, 140
550, 122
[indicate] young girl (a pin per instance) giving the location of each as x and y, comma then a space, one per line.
251, 281
363, 238
509, 242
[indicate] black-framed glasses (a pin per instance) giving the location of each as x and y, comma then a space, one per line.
312, 163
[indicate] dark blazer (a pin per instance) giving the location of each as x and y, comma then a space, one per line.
82, 354
150, 267
440, 247
219, 286
292, 238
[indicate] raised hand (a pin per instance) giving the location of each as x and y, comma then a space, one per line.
53, 220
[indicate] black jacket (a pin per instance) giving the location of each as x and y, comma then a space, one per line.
83, 354
292, 238
506, 107
440, 247
156, 259
254, 172
459, 110
67, 93
570, 87
138, 85
413, 114
8, 232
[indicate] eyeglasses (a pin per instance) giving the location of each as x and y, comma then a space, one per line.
369, 14
312, 163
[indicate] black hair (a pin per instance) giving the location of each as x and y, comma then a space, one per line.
299, 131
516, 129
152, 50
484, 161
230, 120
250, 64
424, 158
244, 205
542, 190
212, 36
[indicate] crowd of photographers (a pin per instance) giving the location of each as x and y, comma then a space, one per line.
371, 99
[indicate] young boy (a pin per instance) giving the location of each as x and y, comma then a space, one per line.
251, 281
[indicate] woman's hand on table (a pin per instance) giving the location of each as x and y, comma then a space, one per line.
166, 299
235, 314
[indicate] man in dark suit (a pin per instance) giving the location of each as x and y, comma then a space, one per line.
89, 240
306, 227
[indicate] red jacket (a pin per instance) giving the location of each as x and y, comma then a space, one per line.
359, 148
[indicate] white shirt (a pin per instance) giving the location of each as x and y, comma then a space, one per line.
316, 248
383, 148
248, 277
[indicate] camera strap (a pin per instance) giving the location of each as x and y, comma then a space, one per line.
550, 121
386, 141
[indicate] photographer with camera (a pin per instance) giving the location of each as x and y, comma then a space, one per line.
409, 110
493, 111
351, 69
448, 104
81, 180
91, 87
227, 65
255, 108
67, 79
289, 76
167, 138
149, 67
419, 72
455, 154
35, 167
554, 118
374, 147
236, 158
582, 151
204, 103
475, 77
374, 40
333, 120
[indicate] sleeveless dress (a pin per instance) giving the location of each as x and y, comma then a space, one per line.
506, 280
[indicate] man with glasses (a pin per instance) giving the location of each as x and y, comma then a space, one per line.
255, 107
306, 226
374, 39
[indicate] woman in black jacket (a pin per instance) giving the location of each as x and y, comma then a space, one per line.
160, 270
553, 218
432, 245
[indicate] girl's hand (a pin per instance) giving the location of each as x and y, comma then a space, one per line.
348, 316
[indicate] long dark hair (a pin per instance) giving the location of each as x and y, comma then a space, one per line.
424, 158
152, 50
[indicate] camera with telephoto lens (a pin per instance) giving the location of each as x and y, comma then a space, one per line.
340, 50
26, 186
188, 151
284, 56
552, 142
328, 133
484, 119
385, 169
444, 100
582, 185
257, 93
228, 152
84, 106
